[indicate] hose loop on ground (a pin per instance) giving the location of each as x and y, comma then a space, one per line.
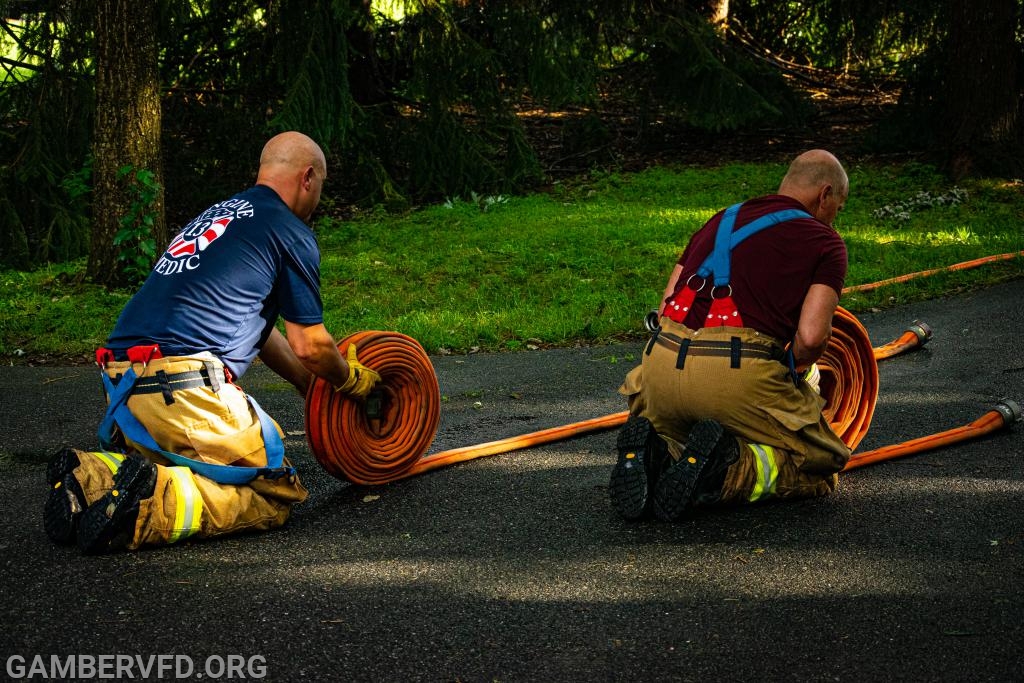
849, 378
352, 446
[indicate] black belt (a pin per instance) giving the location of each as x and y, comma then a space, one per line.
734, 349
209, 376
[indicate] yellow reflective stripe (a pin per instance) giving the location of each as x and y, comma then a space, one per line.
111, 460
188, 504
767, 471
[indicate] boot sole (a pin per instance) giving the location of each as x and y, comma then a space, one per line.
628, 487
61, 464
63, 511
675, 487
107, 517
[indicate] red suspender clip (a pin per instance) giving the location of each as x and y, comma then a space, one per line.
136, 354
104, 356
678, 307
143, 354
723, 312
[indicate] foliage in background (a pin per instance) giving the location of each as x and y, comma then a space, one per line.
580, 264
134, 243
716, 87
418, 100
45, 124
850, 36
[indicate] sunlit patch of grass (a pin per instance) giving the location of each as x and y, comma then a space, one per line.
582, 262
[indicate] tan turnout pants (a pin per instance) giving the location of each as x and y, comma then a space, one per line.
787, 449
217, 427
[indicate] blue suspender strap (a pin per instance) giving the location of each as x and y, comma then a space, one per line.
272, 443
117, 397
790, 362
718, 261
118, 415
766, 221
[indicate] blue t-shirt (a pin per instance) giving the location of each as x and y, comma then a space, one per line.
224, 280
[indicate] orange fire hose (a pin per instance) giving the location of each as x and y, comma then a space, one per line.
1005, 413
515, 443
974, 263
916, 335
387, 441
849, 379
352, 445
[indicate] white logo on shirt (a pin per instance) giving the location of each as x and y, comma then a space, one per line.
184, 251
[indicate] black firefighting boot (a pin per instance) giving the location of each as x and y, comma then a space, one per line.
66, 502
642, 458
109, 523
699, 474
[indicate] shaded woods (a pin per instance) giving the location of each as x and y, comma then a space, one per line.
112, 108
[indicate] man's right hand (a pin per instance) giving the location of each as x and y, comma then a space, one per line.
812, 375
360, 378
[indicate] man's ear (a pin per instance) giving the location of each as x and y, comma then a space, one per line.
824, 193
307, 177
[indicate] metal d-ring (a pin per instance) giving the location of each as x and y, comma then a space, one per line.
703, 281
724, 297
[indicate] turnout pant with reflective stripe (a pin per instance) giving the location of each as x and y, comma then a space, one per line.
200, 423
787, 448
95, 472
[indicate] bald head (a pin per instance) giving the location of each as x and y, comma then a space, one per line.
817, 180
293, 165
292, 150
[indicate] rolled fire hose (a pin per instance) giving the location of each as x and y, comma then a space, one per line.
849, 378
385, 438
375, 444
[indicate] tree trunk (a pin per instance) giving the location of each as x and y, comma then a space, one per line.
719, 14
126, 133
982, 123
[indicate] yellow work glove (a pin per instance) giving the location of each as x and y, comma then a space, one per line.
812, 376
360, 378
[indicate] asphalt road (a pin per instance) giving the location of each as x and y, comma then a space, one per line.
515, 567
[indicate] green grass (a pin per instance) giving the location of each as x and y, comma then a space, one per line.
583, 262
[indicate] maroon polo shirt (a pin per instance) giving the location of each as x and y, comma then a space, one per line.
771, 270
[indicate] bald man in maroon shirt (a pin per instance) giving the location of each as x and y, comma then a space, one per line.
721, 407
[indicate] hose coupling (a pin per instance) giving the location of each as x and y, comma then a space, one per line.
922, 330
1009, 409
651, 321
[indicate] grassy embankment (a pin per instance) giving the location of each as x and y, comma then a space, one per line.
582, 263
